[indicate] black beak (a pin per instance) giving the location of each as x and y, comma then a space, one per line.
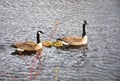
41, 32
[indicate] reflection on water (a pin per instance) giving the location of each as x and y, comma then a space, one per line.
19, 21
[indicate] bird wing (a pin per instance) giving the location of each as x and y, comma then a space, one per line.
72, 39
26, 46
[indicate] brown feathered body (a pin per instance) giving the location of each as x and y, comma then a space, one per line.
27, 46
74, 40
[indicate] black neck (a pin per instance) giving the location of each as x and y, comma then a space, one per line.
84, 31
38, 38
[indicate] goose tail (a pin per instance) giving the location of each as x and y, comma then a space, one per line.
58, 39
13, 46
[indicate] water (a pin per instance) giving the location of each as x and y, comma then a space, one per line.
19, 21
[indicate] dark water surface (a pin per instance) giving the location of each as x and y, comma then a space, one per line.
20, 19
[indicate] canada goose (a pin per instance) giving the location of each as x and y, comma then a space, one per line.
75, 40
29, 46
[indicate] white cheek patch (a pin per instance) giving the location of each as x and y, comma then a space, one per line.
39, 33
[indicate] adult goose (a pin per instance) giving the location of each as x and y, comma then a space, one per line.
29, 46
75, 40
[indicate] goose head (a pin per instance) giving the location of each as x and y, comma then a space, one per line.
84, 22
39, 32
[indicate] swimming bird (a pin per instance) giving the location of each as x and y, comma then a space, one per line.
75, 40
47, 43
29, 46
58, 44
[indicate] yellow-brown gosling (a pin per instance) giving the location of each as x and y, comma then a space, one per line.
47, 43
29, 46
57, 44
75, 40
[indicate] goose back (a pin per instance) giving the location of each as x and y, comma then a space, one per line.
74, 40
26, 46
71, 40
